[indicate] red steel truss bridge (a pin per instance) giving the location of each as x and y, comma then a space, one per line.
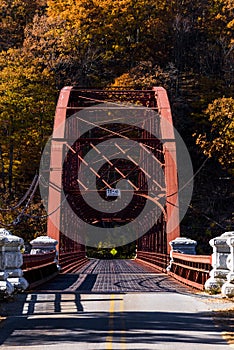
67, 154
164, 227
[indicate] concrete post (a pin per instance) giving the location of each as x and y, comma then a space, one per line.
43, 244
218, 274
6, 288
13, 260
182, 245
228, 287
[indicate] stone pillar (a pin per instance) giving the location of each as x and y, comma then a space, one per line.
12, 260
6, 288
228, 286
43, 244
182, 245
218, 274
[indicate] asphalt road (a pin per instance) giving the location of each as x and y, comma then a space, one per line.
124, 306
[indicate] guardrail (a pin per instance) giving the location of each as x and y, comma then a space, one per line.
36, 260
39, 268
72, 261
192, 270
160, 261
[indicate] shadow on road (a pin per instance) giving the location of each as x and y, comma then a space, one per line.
28, 325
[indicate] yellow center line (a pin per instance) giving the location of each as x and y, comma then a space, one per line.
109, 338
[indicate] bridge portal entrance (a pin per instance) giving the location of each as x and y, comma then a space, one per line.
129, 135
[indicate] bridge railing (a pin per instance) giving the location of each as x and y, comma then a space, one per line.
36, 260
161, 261
39, 268
71, 261
192, 270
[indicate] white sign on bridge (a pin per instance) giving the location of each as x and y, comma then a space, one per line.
113, 192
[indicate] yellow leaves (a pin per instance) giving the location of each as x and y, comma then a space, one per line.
117, 47
230, 25
55, 7
123, 80
220, 17
26, 109
71, 11
221, 108
219, 142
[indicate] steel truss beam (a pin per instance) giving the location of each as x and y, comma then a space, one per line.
73, 99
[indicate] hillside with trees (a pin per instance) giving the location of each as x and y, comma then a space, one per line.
185, 46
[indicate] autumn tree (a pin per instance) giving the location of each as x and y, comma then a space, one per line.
27, 102
185, 46
218, 142
91, 43
14, 15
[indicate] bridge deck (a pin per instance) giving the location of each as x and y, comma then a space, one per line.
159, 313
118, 276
